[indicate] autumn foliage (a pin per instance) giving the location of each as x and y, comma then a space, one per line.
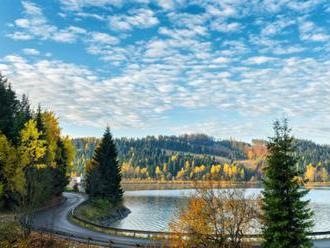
215, 218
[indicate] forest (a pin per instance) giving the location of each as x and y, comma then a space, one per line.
35, 159
198, 156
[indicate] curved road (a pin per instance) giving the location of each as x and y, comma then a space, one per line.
55, 219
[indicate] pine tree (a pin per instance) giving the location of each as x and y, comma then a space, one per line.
104, 177
287, 218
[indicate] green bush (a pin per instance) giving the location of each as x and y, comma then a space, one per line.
10, 232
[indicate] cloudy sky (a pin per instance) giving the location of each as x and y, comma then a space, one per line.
227, 68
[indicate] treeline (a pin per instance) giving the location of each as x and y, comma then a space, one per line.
34, 158
199, 156
232, 172
190, 143
309, 152
141, 159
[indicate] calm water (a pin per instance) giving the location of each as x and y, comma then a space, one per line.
152, 210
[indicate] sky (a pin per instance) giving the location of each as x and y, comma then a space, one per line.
227, 68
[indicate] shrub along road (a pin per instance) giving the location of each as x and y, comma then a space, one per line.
56, 220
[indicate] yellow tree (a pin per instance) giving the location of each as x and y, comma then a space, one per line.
165, 168
70, 151
230, 172
12, 178
310, 173
180, 174
165, 172
137, 172
30, 150
158, 172
215, 170
52, 135
226, 170
187, 165
234, 171
242, 174
144, 173
124, 169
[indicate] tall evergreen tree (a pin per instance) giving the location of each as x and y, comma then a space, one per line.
92, 183
287, 218
105, 167
39, 121
23, 114
59, 173
8, 110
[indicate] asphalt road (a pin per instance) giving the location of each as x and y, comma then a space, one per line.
55, 219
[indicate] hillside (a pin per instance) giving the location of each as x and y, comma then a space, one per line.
199, 156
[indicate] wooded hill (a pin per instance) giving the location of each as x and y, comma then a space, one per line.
199, 156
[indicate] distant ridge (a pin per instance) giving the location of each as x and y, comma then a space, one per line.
198, 149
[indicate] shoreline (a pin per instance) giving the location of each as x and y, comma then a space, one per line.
133, 185
105, 217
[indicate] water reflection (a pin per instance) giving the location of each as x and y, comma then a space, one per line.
152, 210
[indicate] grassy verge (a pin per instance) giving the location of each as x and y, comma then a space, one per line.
101, 211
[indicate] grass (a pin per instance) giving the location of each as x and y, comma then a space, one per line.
95, 209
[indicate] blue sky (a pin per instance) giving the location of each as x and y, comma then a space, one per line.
226, 68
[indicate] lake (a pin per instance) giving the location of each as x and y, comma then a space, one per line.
152, 210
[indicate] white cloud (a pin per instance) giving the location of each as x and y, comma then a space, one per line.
31, 51
77, 5
222, 9
31, 8
280, 50
276, 27
183, 33
90, 15
310, 32
69, 34
318, 37
226, 27
20, 36
259, 60
36, 25
305, 6
221, 60
23, 23
139, 18
103, 38
166, 4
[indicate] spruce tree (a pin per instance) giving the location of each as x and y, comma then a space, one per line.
92, 180
9, 106
39, 121
104, 176
286, 216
